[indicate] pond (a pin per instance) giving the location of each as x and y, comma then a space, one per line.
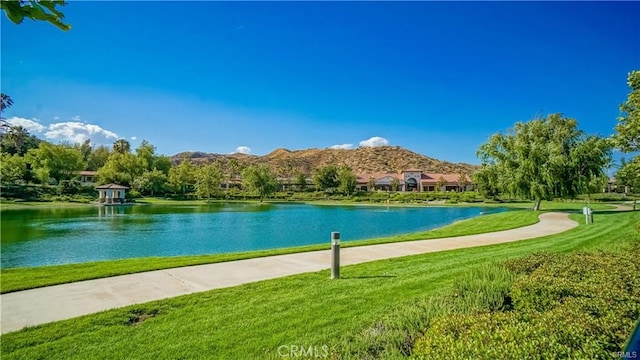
51, 236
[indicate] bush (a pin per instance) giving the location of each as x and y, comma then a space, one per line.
486, 287
132, 194
582, 305
68, 187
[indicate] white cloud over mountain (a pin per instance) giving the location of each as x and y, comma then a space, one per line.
243, 150
342, 146
375, 141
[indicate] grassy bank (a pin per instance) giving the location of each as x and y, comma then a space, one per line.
310, 310
28, 278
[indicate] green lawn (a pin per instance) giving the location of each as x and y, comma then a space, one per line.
310, 310
28, 278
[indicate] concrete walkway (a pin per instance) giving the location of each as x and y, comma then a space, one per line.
59, 302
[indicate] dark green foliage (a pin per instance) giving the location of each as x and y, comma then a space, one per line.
68, 187
26, 192
627, 135
261, 180
326, 178
17, 140
582, 305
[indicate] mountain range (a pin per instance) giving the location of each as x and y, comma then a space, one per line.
362, 160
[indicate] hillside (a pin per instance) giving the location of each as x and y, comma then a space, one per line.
361, 160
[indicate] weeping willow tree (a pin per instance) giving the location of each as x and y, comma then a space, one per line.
542, 159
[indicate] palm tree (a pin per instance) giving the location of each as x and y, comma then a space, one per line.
5, 102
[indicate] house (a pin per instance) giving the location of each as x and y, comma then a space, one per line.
87, 177
111, 193
413, 180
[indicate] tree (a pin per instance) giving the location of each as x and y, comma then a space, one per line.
208, 179
85, 149
627, 135
395, 184
301, 181
121, 146
17, 140
629, 175
41, 10
488, 181
463, 181
588, 159
442, 183
326, 178
371, 184
541, 159
260, 179
163, 163
98, 158
151, 182
120, 168
232, 171
61, 162
182, 176
346, 180
146, 154
5, 103
12, 167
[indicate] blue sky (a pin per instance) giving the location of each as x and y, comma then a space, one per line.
435, 77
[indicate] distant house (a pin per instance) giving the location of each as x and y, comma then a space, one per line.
413, 180
111, 193
87, 177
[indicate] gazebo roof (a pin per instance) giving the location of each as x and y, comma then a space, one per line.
111, 186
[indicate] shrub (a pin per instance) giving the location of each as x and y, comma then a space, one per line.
68, 187
582, 305
486, 287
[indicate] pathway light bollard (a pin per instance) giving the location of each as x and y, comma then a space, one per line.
588, 215
335, 255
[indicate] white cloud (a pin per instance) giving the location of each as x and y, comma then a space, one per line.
375, 141
56, 118
72, 131
342, 146
77, 132
134, 138
76, 118
243, 149
32, 125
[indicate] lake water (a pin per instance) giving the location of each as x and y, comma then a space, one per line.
47, 236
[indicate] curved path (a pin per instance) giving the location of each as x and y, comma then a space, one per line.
59, 302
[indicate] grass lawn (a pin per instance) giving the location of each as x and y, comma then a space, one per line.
252, 321
13, 205
28, 278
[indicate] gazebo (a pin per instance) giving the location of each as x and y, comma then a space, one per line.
111, 193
